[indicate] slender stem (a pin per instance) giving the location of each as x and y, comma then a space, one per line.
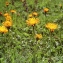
50, 36
33, 30
51, 43
60, 35
34, 60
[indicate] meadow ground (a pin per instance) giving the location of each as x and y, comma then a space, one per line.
31, 31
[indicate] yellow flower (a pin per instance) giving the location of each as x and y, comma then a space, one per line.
38, 36
13, 11
6, 14
7, 3
51, 26
7, 23
35, 14
3, 29
32, 21
8, 18
30, 16
46, 9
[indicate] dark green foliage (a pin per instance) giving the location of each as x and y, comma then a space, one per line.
19, 45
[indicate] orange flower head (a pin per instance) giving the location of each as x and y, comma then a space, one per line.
35, 14
13, 11
6, 14
38, 36
46, 9
8, 18
32, 21
51, 26
3, 29
7, 24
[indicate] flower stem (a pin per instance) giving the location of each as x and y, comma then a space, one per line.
51, 43
33, 30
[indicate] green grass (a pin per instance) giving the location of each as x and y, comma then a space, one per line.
19, 45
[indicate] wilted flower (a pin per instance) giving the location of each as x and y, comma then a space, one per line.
0, 13
7, 3
38, 36
32, 21
7, 24
3, 29
51, 26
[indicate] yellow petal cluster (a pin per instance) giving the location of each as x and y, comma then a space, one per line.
32, 21
7, 23
8, 18
38, 36
3, 29
46, 9
51, 26
33, 14
13, 11
6, 14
